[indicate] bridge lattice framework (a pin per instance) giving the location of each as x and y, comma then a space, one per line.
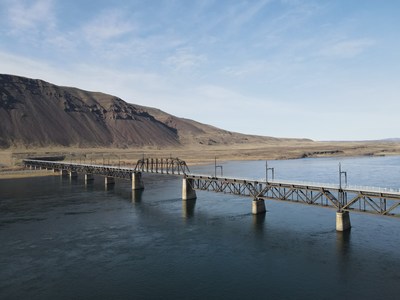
343, 199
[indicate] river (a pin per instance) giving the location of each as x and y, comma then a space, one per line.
62, 239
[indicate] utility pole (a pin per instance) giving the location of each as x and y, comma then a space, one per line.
217, 167
342, 195
340, 176
266, 171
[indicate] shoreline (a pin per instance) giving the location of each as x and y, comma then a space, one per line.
20, 172
26, 174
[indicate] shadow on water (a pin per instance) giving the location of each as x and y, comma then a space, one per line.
259, 223
188, 207
109, 187
343, 246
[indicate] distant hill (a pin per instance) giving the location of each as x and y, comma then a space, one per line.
395, 140
35, 113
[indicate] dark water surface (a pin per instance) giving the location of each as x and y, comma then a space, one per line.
61, 239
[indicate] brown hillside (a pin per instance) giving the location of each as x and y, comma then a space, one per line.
35, 113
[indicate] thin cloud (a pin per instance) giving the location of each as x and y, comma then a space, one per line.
247, 69
247, 14
108, 25
184, 58
347, 48
27, 17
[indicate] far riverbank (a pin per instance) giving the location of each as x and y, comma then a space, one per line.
11, 159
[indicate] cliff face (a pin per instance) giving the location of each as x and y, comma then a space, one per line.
37, 113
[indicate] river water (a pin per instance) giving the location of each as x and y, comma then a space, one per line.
62, 239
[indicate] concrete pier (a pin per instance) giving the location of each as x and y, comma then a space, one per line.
188, 193
137, 182
109, 180
73, 174
63, 173
89, 177
343, 221
258, 206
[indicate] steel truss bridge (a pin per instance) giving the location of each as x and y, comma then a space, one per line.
371, 200
380, 201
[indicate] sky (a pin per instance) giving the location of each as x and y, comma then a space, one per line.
324, 70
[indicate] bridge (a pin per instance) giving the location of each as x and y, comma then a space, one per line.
343, 199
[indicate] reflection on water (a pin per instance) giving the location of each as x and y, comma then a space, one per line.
188, 207
64, 239
259, 223
343, 245
137, 196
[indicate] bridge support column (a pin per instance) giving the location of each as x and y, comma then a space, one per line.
108, 180
137, 182
56, 170
73, 174
63, 173
258, 206
89, 177
188, 193
343, 221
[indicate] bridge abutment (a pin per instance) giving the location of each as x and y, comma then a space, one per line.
258, 206
343, 221
188, 193
137, 182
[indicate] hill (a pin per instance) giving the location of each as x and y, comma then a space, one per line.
35, 113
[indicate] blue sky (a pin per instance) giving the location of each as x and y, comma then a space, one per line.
325, 70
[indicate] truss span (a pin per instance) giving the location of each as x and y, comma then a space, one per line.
367, 201
162, 165
171, 166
